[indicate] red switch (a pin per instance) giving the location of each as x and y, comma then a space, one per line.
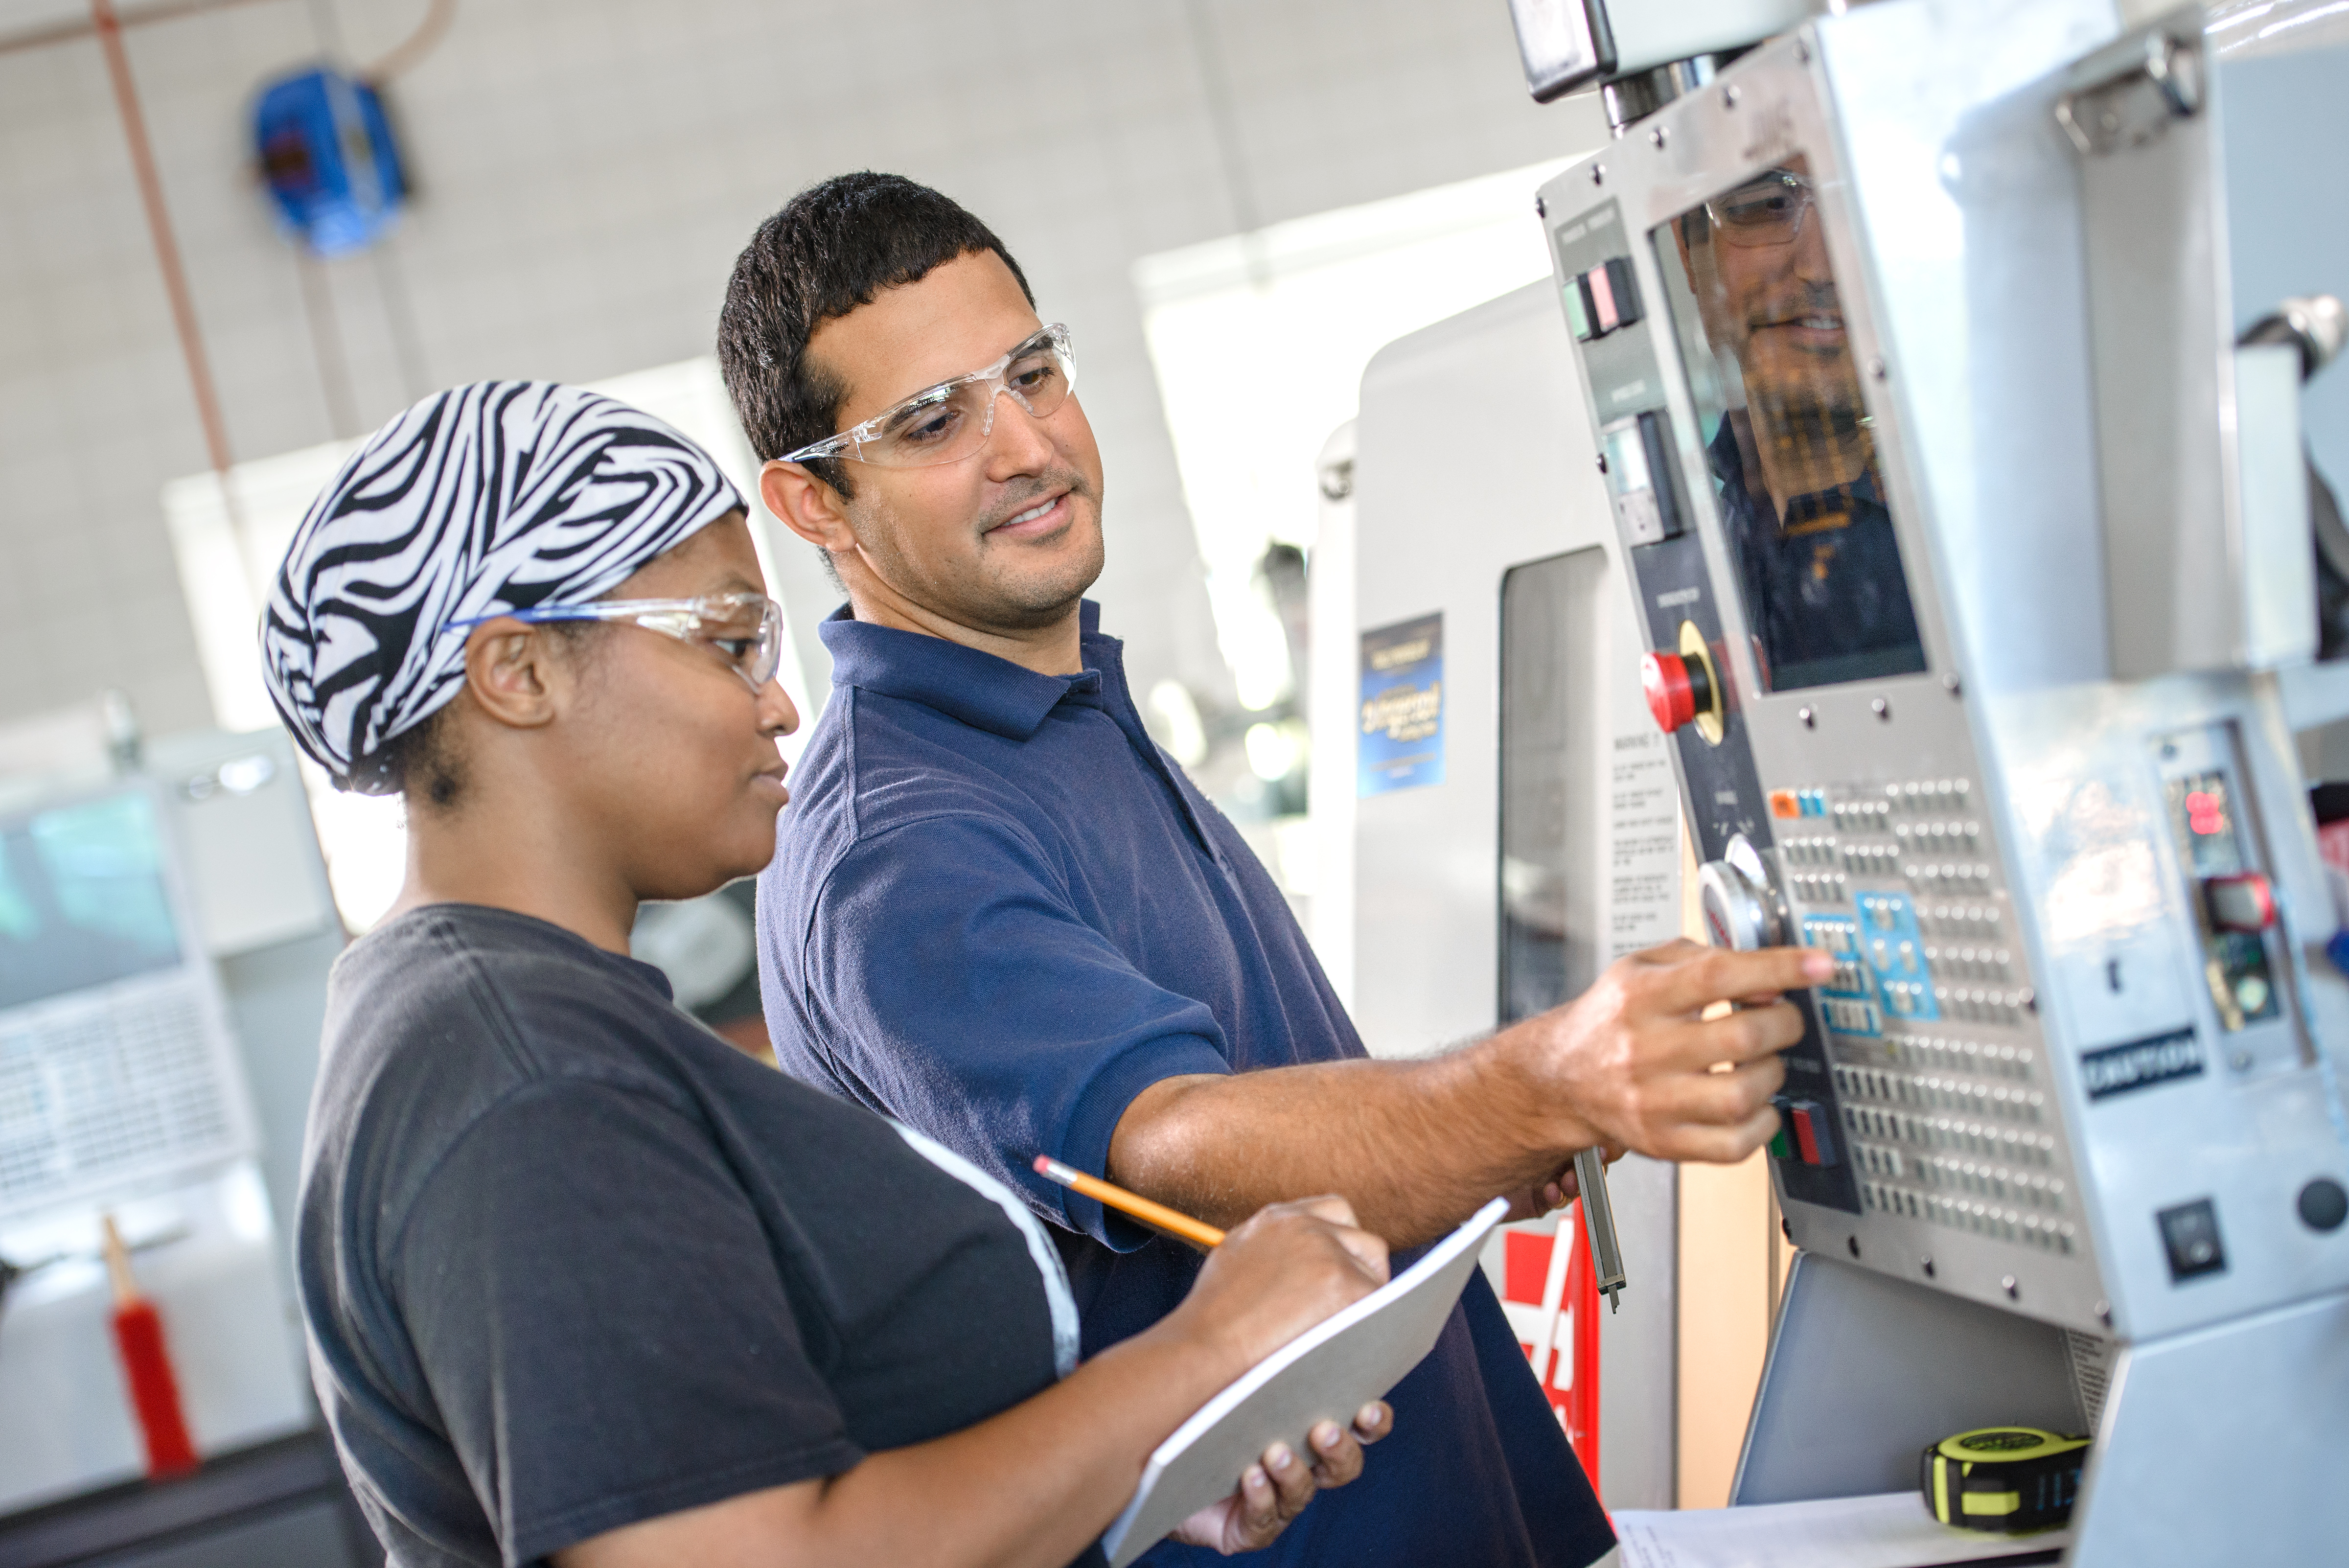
1807, 1136
1677, 689
1811, 1134
2244, 903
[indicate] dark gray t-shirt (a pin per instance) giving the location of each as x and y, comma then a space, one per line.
570, 1261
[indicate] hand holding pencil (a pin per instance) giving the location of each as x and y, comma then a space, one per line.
1287, 1268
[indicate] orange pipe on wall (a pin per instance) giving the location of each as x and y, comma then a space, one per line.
167, 248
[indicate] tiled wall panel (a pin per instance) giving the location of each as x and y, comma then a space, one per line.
589, 170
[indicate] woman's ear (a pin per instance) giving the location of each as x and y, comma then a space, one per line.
510, 668
806, 505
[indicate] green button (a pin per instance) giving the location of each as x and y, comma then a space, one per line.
1578, 309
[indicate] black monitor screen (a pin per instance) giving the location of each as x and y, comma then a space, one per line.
1759, 316
82, 900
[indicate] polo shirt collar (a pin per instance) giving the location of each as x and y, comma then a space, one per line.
979, 688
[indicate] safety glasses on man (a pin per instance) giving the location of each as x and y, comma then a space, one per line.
746, 630
949, 422
1765, 211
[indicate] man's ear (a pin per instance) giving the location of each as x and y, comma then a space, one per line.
511, 670
806, 505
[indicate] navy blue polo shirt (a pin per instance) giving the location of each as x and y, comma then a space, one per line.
997, 913
1824, 587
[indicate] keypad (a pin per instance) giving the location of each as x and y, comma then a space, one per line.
103, 1088
1953, 1131
1944, 1122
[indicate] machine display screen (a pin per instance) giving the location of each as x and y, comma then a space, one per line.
1759, 317
82, 900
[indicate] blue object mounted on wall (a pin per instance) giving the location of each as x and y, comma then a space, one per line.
327, 154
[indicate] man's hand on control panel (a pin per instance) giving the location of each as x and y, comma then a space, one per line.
1416, 1145
1634, 1063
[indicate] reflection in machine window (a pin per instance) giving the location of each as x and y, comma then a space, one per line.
1549, 735
1787, 435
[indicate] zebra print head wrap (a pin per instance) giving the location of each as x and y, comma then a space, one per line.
496, 496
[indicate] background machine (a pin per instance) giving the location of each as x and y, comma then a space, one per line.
165, 934
1494, 835
1943, 365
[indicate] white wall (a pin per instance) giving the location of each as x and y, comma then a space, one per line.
589, 170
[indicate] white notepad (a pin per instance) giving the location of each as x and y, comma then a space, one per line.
1325, 1373
1889, 1530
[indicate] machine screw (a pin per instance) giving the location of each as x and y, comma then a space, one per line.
2008, 1285
1881, 708
1952, 685
1599, 173
1810, 720
1802, 51
2241, 1061
1541, 208
1876, 367
1656, 137
1729, 95
1852, 1242
1602, 462
2105, 1313
1929, 1268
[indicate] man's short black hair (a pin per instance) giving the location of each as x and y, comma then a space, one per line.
831, 248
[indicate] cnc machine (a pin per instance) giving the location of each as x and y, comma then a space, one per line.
1944, 370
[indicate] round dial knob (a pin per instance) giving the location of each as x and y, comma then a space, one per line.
1741, 908
1678, 689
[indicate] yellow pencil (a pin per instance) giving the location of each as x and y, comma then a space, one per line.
1118, 1198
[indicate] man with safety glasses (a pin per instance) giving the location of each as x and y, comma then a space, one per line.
999, 913
1799, 487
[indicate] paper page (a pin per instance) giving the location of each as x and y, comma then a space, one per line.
1327, 1372
1889, 1530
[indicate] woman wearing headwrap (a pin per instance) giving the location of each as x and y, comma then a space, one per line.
582, 1283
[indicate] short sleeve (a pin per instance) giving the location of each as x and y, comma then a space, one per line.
601, 1320
958, 987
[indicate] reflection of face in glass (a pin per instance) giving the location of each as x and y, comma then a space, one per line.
1787, 434
1757, 262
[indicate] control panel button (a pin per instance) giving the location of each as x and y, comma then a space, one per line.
1614, 280
2245, 902
1579, 318
2324, 1204
2189, 1234
1812, 1136
1677, 688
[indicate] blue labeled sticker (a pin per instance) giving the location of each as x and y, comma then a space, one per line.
1402, 707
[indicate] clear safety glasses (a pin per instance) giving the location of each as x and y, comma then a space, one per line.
951, 421
1768, 211
747, 629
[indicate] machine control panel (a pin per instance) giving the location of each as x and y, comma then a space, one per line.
2061, 910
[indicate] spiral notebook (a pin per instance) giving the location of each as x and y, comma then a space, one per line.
1327, 1373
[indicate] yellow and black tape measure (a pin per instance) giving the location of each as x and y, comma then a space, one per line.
2012, 1479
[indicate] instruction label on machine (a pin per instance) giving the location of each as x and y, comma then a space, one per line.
1643, 839
1402, 707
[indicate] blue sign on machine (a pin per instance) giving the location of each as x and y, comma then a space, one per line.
1402, 707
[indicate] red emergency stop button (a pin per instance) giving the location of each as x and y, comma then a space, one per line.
2244, 903
1677, 689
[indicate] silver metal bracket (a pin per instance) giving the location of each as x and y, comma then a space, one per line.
2126, 96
